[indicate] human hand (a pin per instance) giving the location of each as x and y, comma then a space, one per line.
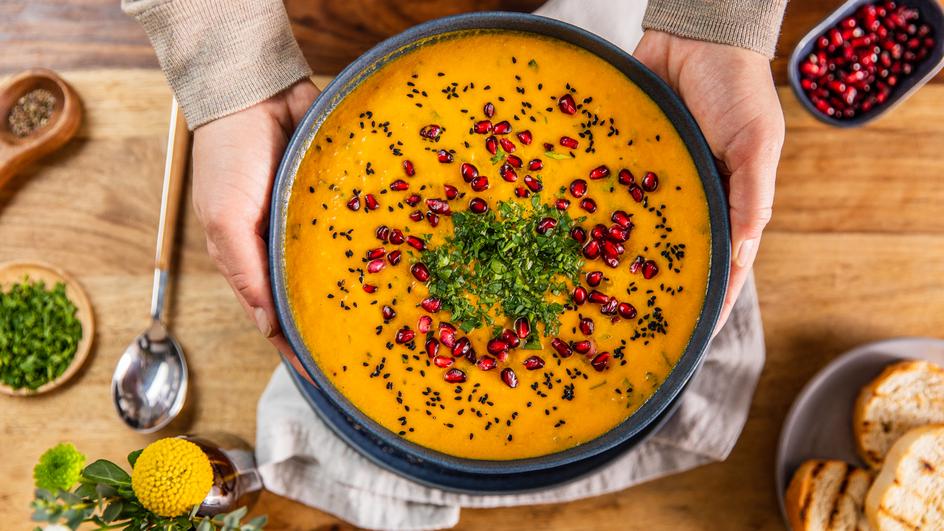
234, 163
731, 94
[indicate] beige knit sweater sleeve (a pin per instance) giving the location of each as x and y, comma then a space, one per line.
221, 56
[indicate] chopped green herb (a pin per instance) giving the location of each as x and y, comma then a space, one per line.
533, 64
555, 155
39, 334
498, 264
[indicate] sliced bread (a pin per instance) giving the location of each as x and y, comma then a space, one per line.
909, 491
906, 395
827, 496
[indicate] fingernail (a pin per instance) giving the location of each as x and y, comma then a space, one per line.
746, 252
262, 321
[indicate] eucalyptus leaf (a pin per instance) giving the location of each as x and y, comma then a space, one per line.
133, 457
205, 525
107, 473
111, 512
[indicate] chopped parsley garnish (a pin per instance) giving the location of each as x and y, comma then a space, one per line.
499, 265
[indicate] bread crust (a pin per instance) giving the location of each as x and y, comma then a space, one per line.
827, 495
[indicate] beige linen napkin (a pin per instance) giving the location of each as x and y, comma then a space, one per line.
300, 457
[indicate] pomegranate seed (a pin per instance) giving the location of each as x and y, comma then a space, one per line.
545, 225
507, 145
374, 254
478, 205
454, 376
586, 326
617, 233
535, 165
399, 185
413, 199
462, 347
578, 234
592, 249
371, 202
566, 104
431, 304
489, 110
622, 219
650, 182
611, 261
599, 172
513, 160
447, 334
568, 142
416, 215
420, 271
375, 266
594, 278
533, 184
439, 206
508, 173
468, 172
394, 257
431, 131
424, 324
548, 146
355, 203
598, 231
416, 243
482, 127
432, 218
597, 297
509, 377
408, 168
588, 204
496, 345
382, 233
451, 191
601, 361
491, 144
444, 156
502, 128
522, 192
369, 288
533, 363
396, 236
486, 363
480, 183
524, 137
636, 192
610, 307
636, 266
561, 204
625, 177
579, 295
432, 347
387, 313
649, 269
510, 338
562, 348
442, 361
626, 310
578, 188
583, 347
405, 335
522, 327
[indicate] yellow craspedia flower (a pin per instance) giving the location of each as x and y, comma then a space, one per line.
171, 476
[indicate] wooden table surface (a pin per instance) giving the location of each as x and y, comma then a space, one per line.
855, 253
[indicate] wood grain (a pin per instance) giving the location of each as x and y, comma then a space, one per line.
855, 253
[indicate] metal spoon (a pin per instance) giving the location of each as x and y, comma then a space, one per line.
150, 382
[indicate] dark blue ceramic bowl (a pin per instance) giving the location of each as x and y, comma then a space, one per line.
643, 419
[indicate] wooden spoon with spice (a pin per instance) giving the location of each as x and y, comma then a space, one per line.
39, 112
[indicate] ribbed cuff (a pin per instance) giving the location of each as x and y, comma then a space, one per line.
751, 24
221, 56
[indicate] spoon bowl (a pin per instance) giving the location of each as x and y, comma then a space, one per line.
150, 382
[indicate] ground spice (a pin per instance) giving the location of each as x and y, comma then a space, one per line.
31, 112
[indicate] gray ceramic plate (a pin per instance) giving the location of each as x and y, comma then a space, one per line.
819, 425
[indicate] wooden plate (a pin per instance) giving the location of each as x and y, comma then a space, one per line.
13, 272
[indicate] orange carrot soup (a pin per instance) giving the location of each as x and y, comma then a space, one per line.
497, 246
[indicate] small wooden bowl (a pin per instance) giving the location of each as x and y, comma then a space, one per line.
16, 152
14, 272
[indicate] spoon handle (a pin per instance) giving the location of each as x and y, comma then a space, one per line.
175, 167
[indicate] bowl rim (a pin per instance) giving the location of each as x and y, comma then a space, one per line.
649, 82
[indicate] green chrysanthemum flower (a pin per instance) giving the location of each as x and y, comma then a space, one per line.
59, 468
